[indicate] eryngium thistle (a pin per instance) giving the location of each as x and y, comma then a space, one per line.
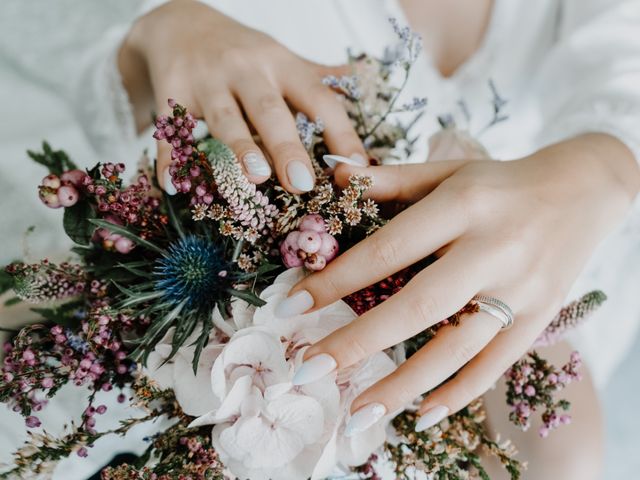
570, 317
193, 273
46, 281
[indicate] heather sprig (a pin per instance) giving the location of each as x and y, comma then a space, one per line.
450, 449
46, 281
570, 317
532, 385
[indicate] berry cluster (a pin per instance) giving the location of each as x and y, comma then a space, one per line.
61, 191
310, 245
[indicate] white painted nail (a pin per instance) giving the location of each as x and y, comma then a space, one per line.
356, 160
314, 369
364, 418
431, 417
256, 164
169, 187
296, 304
299, 176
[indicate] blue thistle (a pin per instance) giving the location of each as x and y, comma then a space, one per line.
190, 273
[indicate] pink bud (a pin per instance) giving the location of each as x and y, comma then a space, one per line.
313, 222
124, 245
51, 181
309, 241
74, 177
315, 262
68, 195
329, 246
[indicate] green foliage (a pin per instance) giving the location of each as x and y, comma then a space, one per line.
57, 161
77, 222
64, 314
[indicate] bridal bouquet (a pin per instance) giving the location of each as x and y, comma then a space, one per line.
168, 302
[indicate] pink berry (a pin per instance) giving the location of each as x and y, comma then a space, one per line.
51, 200
309, 241
329, 246
291, 260
68, 195
51, 181
313, 222
290, 243
315, 262
74, 177
124, 245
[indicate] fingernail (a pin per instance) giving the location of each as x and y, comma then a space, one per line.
355, 160
299, 176
431, 417
256, 164
314, 369
169, 187
296, 304
364, 418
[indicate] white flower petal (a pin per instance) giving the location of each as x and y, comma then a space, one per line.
300, 414
193, 392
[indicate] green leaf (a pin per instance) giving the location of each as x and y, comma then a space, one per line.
173, 217
248, 296
12, 301
61, 314
125, 232
6, 281
77, 222
57, 161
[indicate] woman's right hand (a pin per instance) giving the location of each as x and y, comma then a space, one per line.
237, 79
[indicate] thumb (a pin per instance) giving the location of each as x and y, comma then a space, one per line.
401, 183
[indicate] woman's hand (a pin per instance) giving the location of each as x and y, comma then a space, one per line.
238, 80
518, 231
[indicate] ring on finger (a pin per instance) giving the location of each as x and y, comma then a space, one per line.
496, 308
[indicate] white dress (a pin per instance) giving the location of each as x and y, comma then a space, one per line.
567, 67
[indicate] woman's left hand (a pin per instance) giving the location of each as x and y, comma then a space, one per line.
519, 231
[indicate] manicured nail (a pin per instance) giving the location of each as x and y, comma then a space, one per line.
296, 304
299, 176
169, 187
364, 418
256, 164
314, 369
431, 417
356, 160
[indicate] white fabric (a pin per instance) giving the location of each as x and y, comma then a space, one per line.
567, 66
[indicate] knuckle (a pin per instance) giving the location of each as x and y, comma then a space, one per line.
423, 311
221, 114
234, 58
403, 395
461, 352
353, 353
270, 103
288, 150
386, 250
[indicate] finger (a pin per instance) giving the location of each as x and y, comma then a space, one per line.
387, 251
226, 122
318, 101
441, 357
481, 373
401, 183
436, 293
272, 119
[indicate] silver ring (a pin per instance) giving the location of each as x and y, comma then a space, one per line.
496, 308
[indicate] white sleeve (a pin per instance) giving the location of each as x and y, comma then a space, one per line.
590, 80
